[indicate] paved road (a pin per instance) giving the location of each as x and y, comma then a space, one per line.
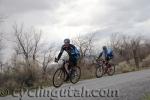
128, 86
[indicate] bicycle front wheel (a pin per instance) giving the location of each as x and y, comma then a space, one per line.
58, 77
99, 71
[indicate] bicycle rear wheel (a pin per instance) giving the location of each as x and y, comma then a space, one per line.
75, 74
111, 70
58, 77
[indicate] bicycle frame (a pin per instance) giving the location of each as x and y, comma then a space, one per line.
63, 65
66, 74
100, 62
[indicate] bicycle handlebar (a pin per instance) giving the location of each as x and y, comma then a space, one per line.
62, 60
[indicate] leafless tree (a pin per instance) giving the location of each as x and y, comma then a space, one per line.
48, 57
1, 67
147, 45
85, 44
1, 44
27, 43
27, 48
121, 45
36, 45
127, 47
136, 47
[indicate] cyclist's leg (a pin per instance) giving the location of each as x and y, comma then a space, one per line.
67, 67
108, 62
108, 65
73, 63
72, 66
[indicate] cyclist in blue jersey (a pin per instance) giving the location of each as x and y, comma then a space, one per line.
106, 53
72, 51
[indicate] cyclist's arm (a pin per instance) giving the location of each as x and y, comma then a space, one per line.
72, 46
106, 54
61, 52
100, 55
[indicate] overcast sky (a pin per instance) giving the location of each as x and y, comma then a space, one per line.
66, 18
61, 19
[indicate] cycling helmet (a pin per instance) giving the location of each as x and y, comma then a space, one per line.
67, 41
104, 47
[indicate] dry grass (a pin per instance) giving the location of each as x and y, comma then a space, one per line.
146, 62
22, 76
124, 68
87, 71
146, 97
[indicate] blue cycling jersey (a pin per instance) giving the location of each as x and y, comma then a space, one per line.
107, 53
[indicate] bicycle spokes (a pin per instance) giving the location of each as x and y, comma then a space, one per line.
58, 78
75, 75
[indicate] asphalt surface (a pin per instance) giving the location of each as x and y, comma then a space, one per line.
128, 86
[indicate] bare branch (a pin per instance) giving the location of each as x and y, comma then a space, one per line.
27, 43
127, 47
48, 56
85, 45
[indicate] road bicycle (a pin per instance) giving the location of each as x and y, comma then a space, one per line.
103, 67
61, 74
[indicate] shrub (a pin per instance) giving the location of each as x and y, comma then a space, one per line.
124, 68
146, 97
146, 63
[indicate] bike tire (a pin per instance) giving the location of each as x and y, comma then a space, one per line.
101, 70
111, 70
61, 72
75, 78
